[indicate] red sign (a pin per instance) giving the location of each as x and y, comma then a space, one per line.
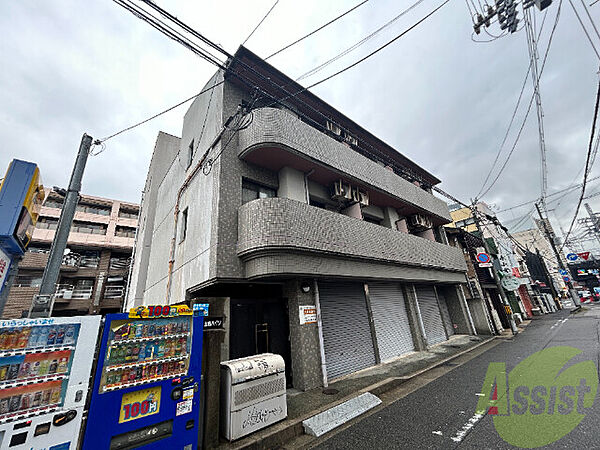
584, 255
515, 272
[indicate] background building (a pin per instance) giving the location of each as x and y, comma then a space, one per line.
93, 277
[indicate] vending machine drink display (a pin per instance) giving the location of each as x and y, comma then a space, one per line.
146, 388
45, 367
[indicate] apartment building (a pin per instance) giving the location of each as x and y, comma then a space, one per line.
95, 267
312, 237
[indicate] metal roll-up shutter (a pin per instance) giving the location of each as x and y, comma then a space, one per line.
445, 313
346, 330
394, 335
430, 312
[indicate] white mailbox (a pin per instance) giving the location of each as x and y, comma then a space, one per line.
252, 394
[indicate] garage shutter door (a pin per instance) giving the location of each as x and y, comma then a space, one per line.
394, 336
430, 312
346, 331
445, 313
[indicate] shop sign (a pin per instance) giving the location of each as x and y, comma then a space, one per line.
159, 311
213, 323
4, 266
201, 309
308, 314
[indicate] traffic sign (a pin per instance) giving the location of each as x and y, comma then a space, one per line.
510, 283
572, 257
483, 257
563, 272
567, 279
584, 255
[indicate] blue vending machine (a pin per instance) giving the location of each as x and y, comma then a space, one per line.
147, 383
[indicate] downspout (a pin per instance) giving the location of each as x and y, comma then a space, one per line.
183, 187
306, 193
320, 328
132, 259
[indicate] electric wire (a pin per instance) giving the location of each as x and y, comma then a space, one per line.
317, 30
261, 21
359, 43
585, 8
587, 167
530, 104
584, 29
514, 114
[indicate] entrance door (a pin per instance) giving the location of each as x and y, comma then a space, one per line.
260, 326
346, 330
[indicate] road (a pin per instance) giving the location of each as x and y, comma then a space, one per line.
441, 414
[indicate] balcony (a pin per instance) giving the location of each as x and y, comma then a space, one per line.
67, 292
114, 292
276, 138
270, 230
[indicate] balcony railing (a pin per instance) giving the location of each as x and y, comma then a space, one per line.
114, 291
68, 292
119, 263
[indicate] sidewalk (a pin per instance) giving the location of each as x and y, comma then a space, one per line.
377, 380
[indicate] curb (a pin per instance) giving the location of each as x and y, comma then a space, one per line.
286, 431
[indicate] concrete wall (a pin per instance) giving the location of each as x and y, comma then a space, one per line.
281, 223
304, 339
165, 150
284, 129
202, 124
479, 315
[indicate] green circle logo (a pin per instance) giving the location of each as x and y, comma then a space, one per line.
542, 399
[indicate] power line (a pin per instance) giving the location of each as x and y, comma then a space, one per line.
587, 167
261, 21
161, 113
584, 29
590, 17
530, 104
359, 43
317, 30
380, 48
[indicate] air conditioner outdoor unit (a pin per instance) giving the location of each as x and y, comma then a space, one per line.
360, 196
419, 221
341, 191
334, 128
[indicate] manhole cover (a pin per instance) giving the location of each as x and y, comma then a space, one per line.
330, 391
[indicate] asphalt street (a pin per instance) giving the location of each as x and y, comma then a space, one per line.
442, 414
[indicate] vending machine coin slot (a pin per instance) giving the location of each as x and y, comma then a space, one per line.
18, 439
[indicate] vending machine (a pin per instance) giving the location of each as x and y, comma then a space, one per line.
45, 367
146, 390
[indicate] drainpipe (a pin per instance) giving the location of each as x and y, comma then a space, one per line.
183, 187
320, 328
306, 193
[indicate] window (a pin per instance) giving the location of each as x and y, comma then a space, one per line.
90, 208
125, 232
88, 227
184, 219
252, 191
190, 155
128, 213
47, 223
53, 203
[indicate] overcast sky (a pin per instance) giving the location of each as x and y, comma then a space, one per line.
441, 99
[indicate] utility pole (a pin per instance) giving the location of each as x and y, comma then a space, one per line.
572, 291
547, 273
495, 276
595, 221
43, 302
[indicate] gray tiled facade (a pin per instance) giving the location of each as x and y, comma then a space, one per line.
282, 128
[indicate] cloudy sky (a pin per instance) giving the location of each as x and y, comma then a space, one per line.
438, 97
